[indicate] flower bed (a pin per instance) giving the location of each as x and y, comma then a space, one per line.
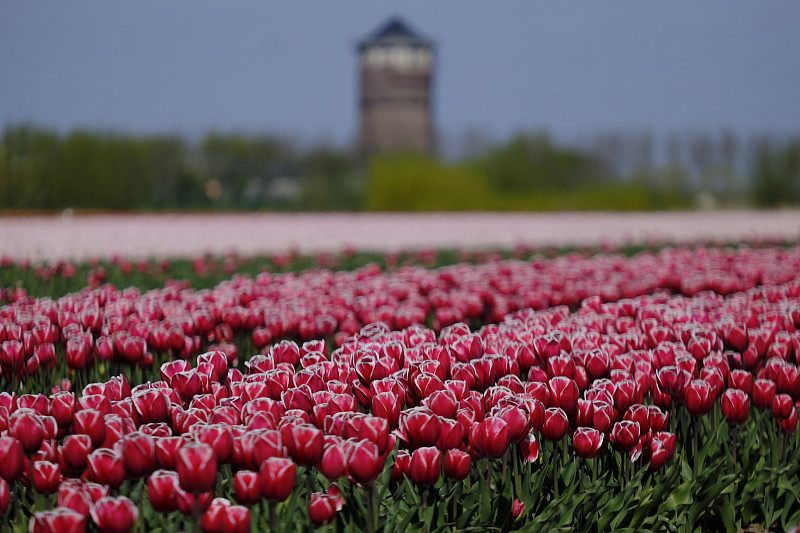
655, 392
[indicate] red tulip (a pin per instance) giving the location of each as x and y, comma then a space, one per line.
588, 442
388, 405
660, 452
90, 422
782, 406
671, 380
322, 508
420, 426
152, 405
555, 424
5, 496
138, 454
363, 461
699, 397
741, 379
197, 468
529, 448
425, 466
457, 464
105, 467
625, 435
333, 462
167, 451
12, 459
58, 520
490, 437
162, 487
222, 517
564, 393
735, 405
27, 427
247, 487
658, 419
517, 508
763, 393
277, 476
62, 408
115, 515
219, 437
46, 476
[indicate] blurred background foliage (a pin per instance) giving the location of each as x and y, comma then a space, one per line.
41, 169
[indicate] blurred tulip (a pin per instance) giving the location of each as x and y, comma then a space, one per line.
58, 520
277, 476
12, 459
457, 464
197, 468
115, 515
46, 476
363, 461
247, 487
425, 466
162, 486
138, 454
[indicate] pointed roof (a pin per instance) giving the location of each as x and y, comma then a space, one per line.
394, 30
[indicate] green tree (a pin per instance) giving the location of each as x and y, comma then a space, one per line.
776, 175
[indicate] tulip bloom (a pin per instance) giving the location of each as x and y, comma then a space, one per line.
323, 507
587, 442
490, 437
115, 515
46, 476
162, 487
457, 464
364, 463
105, 467
138, 454
425, 465
12, 459
197, 468
782, 406
735, 405
420, 426
625, 435
247, 487
699, 397
58, 520
763, 393
277, 476
27, 427
555, 424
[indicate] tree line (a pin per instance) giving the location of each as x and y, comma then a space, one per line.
41, 169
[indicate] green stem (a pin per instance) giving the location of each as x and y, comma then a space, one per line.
273, 518
196, 514
555, 470
695, 446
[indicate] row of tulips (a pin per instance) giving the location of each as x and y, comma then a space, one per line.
447, 428
124, 329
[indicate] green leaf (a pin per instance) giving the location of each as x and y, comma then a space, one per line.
727, 515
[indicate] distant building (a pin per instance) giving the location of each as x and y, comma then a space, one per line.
396, 70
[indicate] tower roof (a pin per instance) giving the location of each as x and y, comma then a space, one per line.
394, 30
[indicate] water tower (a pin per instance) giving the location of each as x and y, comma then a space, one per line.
396, 70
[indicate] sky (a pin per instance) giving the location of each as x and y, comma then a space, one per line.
289, 68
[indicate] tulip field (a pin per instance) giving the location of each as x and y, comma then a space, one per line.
648, 389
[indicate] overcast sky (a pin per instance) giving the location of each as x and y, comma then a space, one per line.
572, 68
